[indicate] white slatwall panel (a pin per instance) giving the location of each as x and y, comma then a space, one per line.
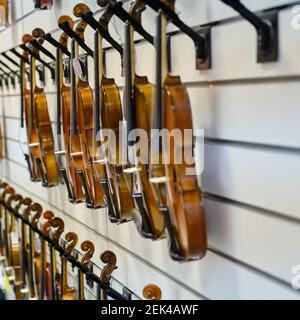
251, 179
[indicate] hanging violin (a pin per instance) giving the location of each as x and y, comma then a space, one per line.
181, 201
40, 113
82, 119
34, 152
64, 104
138, 104
110, 114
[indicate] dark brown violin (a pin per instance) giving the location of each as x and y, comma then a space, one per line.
84, 107
184, 218
64, 100
41, 114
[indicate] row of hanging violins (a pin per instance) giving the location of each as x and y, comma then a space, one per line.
35, 273
160, 198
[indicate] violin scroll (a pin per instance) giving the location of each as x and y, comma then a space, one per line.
72, 239
89, 249
48, 216
80, 9
152, 292
110, 259
38, 209
59, 225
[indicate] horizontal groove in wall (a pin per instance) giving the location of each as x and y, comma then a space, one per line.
212, 249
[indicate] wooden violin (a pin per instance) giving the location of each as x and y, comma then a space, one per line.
64, 105
109, 109
89, 249
56, 289
41, 115
68, 293
34, 152
110, 260
81, 119
184, 217
138, 105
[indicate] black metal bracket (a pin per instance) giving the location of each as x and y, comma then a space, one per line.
88, 17
16, 53
48, 37
266, 25
88, 198
121, 13
4, 54
202, 46
72, 34
41, 72
38, 46
7, 76
15, 73
67, 70
42, 172
37, 57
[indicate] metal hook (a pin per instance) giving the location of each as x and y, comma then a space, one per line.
38, 46
266, 26
88, 17
201, 38
72, 34
121, 13
4, 54
48, 37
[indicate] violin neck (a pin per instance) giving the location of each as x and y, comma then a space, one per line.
43, 268
32, 89
64, 274
81, 286
22, 89
53, 272
59, 83
73, 113
98, 68
30, 265
23, 253
129, 82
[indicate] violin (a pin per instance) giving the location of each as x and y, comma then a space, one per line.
34, 152
110, 260
47, 288
41, 115
152, 292
43, 4
89, 249
56, 289
36, 248
14, 246
184, 215
68, 293
139, 100
1, 144
84, 107
110, 113
64, 102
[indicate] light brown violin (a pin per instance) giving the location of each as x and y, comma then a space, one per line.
110, 259
34, 152
152, 292
185, 218
89, 249
149, 219
41, 115
65, 100
68, 293
85, 106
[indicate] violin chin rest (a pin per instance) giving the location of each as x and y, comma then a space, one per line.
158, 180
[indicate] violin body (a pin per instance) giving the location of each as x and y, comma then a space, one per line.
85, 120
111, 115
143, 95
32, 138
45, 136
183, 192
72, 162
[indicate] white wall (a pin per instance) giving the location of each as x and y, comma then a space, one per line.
252, 166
